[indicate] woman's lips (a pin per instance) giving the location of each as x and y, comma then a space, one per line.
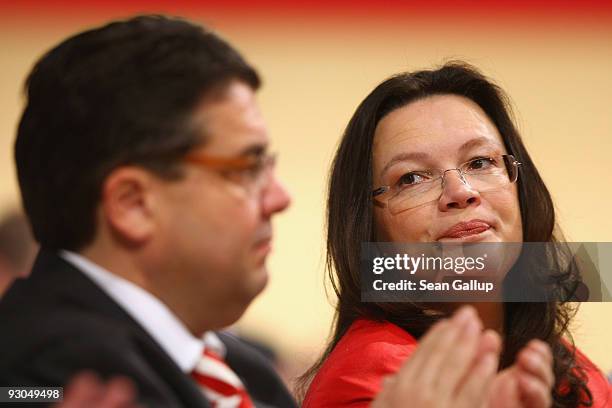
464, 229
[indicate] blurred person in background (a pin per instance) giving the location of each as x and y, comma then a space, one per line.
17, 249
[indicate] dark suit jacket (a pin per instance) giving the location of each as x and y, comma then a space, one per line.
58, 322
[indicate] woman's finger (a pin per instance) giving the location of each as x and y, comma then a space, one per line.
458, 359
437, 344
536, 364
534, 393
475, 390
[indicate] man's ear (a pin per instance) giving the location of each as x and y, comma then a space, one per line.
128, 204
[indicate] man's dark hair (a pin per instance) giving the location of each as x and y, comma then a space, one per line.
115, 95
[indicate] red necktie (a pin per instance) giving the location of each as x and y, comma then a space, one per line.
220, 384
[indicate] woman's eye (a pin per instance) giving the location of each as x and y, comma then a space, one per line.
411, 179
481, 163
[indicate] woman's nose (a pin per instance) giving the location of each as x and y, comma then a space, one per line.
457, 191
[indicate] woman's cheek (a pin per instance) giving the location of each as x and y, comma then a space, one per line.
414, 226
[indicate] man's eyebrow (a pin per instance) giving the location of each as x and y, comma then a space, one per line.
403, 157
257, 149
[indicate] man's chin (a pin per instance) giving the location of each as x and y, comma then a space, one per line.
263, 278
255, 283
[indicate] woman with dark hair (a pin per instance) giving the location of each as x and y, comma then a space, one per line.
450, 118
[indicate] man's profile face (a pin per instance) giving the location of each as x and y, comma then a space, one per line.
215, 232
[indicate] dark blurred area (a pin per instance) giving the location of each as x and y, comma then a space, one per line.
17, 248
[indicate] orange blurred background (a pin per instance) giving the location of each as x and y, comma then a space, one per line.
319, 60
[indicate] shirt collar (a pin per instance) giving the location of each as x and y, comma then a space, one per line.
151, 313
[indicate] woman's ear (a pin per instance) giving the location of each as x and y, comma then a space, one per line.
128, 205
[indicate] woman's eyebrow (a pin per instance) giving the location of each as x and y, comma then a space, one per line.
400, 157
478, 142
470, 144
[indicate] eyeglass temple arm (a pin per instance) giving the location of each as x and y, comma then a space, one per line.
379, 191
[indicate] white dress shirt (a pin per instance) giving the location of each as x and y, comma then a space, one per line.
151, 313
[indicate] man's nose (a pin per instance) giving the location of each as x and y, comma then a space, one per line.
276, 198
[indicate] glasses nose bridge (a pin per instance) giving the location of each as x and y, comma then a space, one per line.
460, 173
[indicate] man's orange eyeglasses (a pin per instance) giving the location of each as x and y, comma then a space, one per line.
252, 171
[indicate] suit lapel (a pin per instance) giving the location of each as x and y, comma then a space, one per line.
56, 277
259, 377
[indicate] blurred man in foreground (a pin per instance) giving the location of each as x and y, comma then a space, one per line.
143, 167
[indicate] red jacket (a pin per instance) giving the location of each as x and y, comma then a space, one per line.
369, 351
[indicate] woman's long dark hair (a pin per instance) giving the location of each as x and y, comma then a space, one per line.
349, 200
